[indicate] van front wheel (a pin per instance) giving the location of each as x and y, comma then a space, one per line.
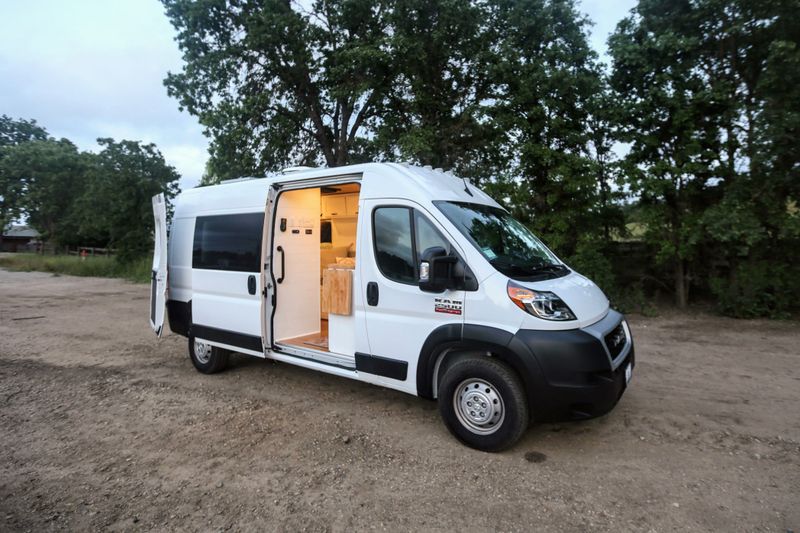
206, 358
482, 403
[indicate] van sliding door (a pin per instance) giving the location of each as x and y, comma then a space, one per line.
226, 268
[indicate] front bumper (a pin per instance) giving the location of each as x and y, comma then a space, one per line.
581, 371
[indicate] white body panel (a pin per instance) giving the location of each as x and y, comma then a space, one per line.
158, 282
300, 258
221, 301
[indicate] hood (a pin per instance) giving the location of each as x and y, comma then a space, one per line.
585, 298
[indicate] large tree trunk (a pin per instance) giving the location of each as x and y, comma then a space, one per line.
681, 287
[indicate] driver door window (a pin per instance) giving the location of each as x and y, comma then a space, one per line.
396, 252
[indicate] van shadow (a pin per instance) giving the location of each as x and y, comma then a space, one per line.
546, 442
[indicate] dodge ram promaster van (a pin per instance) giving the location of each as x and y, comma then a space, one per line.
406, 277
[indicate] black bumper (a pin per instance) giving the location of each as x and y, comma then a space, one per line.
576, 375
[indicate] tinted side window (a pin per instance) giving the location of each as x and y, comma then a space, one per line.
427, 235
393, 247
228, 242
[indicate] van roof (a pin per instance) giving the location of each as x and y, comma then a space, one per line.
378, 180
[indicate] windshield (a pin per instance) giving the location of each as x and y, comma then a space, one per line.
506, 243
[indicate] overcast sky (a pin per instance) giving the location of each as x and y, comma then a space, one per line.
94, 68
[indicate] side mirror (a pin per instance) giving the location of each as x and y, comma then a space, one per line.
436, 269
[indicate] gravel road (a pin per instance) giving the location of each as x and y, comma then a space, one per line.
104, 427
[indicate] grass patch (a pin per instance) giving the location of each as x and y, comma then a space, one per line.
97, 266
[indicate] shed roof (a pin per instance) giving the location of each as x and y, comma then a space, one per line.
20, 231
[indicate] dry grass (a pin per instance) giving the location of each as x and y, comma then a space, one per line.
95, 266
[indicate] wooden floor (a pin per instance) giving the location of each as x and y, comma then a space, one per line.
315, 341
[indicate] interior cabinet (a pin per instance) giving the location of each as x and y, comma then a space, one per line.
352, 204
339, 205
334, 206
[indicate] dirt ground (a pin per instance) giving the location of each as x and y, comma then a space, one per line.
104, 427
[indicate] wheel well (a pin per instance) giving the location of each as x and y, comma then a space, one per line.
446, 358
446, 343
450, 354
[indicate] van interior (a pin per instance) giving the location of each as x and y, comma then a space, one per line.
314, 253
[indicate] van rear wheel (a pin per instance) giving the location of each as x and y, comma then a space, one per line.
206, 358
483, 403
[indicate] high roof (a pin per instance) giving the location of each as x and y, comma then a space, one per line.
378, 180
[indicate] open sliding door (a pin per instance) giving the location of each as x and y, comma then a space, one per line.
267, 278
278, 259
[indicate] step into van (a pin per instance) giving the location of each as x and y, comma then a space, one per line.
409, 278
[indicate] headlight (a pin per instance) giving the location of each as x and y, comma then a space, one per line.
541, 304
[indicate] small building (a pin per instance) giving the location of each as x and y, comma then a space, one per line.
19, 238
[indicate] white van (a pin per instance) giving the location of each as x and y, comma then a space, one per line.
405, 277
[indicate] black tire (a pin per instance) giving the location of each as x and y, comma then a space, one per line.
497, 384
213, 362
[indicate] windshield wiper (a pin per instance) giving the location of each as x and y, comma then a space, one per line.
514, 267
528, 269
552, 267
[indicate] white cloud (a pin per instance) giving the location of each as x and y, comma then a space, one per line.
94, 69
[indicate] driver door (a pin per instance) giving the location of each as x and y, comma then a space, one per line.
400, 316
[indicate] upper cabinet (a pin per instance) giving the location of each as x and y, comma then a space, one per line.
339, 205
351, 200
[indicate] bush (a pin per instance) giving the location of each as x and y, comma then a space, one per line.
758, 289
96, 266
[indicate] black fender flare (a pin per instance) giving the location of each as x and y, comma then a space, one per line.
504, 345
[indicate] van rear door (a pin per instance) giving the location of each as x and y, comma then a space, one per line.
158, 280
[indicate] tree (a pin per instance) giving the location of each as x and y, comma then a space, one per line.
12, 133
48, 177
547, 82
116, 206
670, 115
437, 108
754, 55
711, 104
275, 84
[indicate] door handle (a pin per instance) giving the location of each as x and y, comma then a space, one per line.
251, 284
372, 293
283, 265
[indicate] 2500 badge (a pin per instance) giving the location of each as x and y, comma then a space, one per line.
446, 305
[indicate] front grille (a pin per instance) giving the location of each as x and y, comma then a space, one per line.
615, 340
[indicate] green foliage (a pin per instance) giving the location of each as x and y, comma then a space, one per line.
758, 289
276, 85
12, 133
668, 111
116, 206
44, 181
709, 95
548, 88
78, 198
437, 110
138, 270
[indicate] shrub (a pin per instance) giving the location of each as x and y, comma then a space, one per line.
758, 289
96, 266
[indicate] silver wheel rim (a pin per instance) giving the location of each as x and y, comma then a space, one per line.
478, 406
202, 352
